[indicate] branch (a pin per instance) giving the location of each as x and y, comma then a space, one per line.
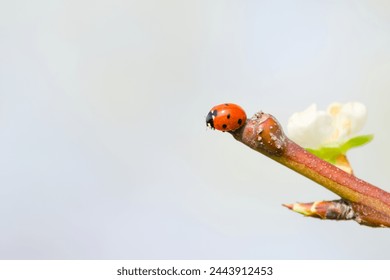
368, 205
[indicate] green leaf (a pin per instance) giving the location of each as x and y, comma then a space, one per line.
356, 142
331, 153
327, 153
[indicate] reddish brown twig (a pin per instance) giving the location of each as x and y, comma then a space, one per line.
369, 205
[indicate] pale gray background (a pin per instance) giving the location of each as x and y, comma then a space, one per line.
104, 151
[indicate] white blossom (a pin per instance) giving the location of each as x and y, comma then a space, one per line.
314, 128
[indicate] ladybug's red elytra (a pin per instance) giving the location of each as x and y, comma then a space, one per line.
226, 117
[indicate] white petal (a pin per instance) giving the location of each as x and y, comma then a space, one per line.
357, 113
348, 119
334, 109
310, 128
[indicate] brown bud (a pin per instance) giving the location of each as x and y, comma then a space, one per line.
331, 210
270, 135
262, 133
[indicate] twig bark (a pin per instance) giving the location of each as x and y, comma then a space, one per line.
370, 204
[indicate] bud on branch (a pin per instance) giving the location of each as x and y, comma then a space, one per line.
368, 204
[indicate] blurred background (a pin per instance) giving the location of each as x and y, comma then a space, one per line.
104, 152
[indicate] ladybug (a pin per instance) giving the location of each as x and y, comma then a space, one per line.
226, 117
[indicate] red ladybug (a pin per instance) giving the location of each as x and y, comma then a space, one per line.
226, 117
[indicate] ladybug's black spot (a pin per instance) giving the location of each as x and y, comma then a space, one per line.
226, 104
224, 126
239, 121
228, 116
